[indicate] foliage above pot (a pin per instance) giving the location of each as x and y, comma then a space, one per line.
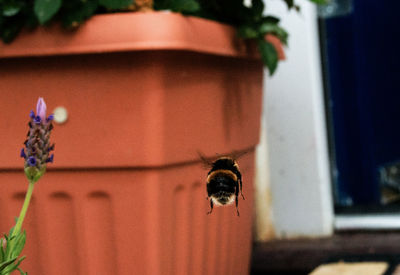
246, 15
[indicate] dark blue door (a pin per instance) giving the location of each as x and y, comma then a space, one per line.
362, 55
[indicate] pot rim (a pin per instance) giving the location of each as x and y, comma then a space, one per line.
136, 31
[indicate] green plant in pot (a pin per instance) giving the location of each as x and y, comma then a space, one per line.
246, 16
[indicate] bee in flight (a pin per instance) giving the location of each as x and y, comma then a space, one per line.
223, 182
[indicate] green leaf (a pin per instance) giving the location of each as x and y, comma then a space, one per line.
11, 8
19, 243
31, 21
10, 33
274, 29
258, 7
46, 9
4, 264
10, 30
78, 14
289, 3
10, 268
270, 19
13, 267
9, 246
12, 228
1, 250
34, 174
115, 4
247, 32
320, 2
269, 55
185, 6
22, 272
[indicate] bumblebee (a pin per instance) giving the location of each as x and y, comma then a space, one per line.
223, 183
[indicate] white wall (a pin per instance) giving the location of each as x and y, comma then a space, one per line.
263, 224
297, 168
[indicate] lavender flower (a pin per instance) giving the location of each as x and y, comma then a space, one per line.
41, 108
37, 151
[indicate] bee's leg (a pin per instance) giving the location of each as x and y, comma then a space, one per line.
237, 202
240, 183
211, 209
236, 198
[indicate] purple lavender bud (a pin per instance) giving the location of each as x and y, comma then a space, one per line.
32, 114
37, 119
51, 148
23, 155
37, 145
41, 108
50, 118
32, 161
50, 159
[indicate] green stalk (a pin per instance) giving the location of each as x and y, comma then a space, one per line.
22, 214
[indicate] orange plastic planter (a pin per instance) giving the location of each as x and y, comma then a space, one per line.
126, 195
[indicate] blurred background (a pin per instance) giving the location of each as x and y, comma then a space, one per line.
327, 177
330, 136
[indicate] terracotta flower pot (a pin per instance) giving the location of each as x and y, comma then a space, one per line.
126, 194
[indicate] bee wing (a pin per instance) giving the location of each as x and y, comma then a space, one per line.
237, 154
207, 163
